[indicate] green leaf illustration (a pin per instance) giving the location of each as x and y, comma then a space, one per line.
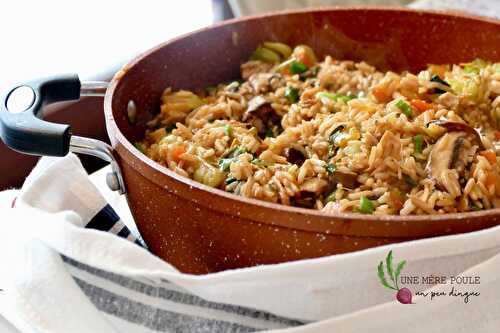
381, 276
388, 264
399, 268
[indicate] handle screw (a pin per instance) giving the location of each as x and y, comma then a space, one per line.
112, 181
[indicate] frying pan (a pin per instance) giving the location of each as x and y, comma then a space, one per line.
199, 229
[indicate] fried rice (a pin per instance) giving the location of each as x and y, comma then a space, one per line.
339, 136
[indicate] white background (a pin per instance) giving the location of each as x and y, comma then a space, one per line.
87, 37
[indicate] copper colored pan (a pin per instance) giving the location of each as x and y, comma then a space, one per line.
200, 229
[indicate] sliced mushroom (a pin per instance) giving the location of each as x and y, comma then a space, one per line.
254, 104
444, 153
449, 153
305, 199
308, 192
263, 82
294, 156
261, 115
453, 126
457, 160
335, 138
348, 179
316, 185
337, 130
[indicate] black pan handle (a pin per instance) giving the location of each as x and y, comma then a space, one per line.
21, 113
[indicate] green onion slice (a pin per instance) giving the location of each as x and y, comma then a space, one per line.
292, 94
418, 142
405, 108
297, 67
366, 206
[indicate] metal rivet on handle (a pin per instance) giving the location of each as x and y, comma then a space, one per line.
20, 99
112, 181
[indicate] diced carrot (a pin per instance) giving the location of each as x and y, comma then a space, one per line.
421, 105
396, 199
489, 155
305, 55
381, 95
439, 70
303, 58
177, 152
497, 135
491, 179
286, 70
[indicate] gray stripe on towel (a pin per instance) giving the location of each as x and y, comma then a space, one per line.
154, 318
179, 297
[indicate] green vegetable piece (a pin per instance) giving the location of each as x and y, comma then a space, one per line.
282, 49
260, 163
331, 168
330, 197
269, 133
410, 181
475, 66
404, 107
418, 142
228, 130
366, 206
331, 149
297, 67
208, 175
292, 94
237, 151
265, 55
335, 97
325, 94
225, 163
345, 98
476, 207
230, 180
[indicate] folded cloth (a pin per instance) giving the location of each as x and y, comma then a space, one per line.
68, 264
61, 188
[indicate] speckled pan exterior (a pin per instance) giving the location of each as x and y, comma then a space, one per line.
199, 229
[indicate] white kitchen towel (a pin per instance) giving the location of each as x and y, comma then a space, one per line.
58, 276
57, 186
